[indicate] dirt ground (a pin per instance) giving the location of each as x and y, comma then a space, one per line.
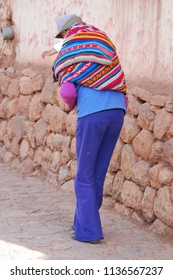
36, 219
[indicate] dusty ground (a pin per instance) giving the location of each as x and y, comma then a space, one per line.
36, 218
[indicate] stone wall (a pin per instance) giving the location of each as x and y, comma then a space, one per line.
7, 47
37, 135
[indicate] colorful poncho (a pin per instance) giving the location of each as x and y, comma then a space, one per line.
89, 58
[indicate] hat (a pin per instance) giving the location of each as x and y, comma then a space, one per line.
65, 22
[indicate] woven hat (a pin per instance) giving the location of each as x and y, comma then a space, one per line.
66, 22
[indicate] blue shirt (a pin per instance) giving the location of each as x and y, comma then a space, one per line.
90, 100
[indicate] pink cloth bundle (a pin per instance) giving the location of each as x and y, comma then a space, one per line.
68, 93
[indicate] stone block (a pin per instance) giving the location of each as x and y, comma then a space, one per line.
41, 128
128, 159
115, 162
166, 176
140, 173
146, 117
156, 154
163, 206
36, 107
162, 123
154, 175
148, 203
132, 195
48, 94
142, 144
23, 104
168, 151
130, 129
117, 185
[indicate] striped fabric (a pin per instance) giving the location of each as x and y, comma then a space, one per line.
89, 58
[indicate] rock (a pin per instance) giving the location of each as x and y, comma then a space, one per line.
64, 175
23, 104
131, 195
169, 104
148, 203
56, 161
15, 146
163, 207
65, 156
24, 149
40, 131
38, 157
154, 174
15, 127
4, 83
140, 173
162, 123
31, 82
25, 84
27, 166
73, 168
55, 141
3, 107
156, 152
161, 229
168, 151
128, 159
166, 176
134, 105
108, 184
158, 100
71, 123
12, 108
137, 216
55, 117
52, 178
36, 107
48, 94
29, 72
115, 162
8, 157
146, 117
73, 148
117, 185
170, 131
3, 129
6, 141
37, 83
142, 144
45, 166
142, 94
122, 209
30, 133
61, 103
130, 129
68, 186
48, 155
13, 89
46, 113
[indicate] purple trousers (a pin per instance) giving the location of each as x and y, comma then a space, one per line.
96, 137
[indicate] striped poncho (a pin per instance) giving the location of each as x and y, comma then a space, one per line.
89, 58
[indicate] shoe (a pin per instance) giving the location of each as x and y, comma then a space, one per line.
72, 227
73, 236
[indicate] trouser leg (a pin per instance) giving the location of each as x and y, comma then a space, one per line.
106, 150
95, 144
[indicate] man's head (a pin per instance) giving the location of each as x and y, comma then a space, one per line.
64, 23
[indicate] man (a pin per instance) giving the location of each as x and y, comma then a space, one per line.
88, 59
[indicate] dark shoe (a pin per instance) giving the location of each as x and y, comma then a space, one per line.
73, 236
72, 227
